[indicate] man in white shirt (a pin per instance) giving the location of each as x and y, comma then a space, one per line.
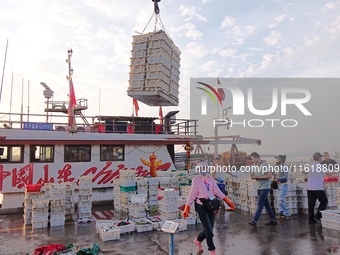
315, 189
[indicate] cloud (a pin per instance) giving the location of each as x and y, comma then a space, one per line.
228, 21
273, 38
190, 12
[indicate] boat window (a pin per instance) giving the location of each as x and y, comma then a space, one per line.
41, 153
111, 152
12, 154
77, 153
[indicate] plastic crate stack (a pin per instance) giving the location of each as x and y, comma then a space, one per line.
168, 203
192, 217
69, 200
40, 213
234, 192
152, 195
330, 189
154, 69
138, 206
116, 195
57, 204
28, 205
331, 219
291, 199
85, 197
337, 196
302, 198
127, 188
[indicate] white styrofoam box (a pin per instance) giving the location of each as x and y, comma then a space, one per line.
85, 192
142, 192
85, 185
143, 225
159, 59
57, 222
153, 192
138, 199
70, 210
137, 214
32, 195
191, 220
57, 215
153, 202
185, 189
85, 179
69, 186
40, 210
84, 215
142, 181
39, 217
153, 181
84, 203
291, 193
168, 193
168, 207
39, 224
84, 197
60, 208
291, 186
138, 61
330, 191
85, 209
40, 203
138, 206
293, 211
28, 213
183, 224
102, 223
138, 68
331, 215
330, 224
109, 233
181, 201
157, 68
169, 200
139, 46
116, 182
128, 183
138, 53
168, 215
57, 202
125, 228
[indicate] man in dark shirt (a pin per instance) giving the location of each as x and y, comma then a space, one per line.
331, 163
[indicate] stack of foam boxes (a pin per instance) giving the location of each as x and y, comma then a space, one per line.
192, 217
152, 196
85, 197
330, 189
57, 204
302, 198
69, 200
127, 188
28, 205
291, 199
154, 69
168, 203
116, 196
40, 213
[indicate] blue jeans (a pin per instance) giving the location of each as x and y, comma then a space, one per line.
282, 199
263, 202
207, 220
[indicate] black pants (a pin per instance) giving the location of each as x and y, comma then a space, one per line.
207, 220
312, 196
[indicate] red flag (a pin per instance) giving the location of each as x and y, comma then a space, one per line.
161, 115
218, 81
135, 104
71, 105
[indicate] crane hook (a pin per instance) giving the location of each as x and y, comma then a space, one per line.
156, 8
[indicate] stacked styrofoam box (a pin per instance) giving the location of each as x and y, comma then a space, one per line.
164, 182
127, 186
40, 213
174, 182
28, 205
138, 206
143, 225
57, 203
69, 200
168, 204
331, 219
85, 197
116, 195
154, 69
192, 217
152, 193
142, 185
291, 199
330, 189
337, 196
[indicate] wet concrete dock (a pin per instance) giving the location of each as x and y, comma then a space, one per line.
233, 235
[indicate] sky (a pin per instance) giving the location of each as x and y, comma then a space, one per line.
226, 39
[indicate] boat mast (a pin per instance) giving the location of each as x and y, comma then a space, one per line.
72, 103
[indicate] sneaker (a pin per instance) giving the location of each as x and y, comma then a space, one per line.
272, 222
198, 244
280, 216
286, 217
253, 223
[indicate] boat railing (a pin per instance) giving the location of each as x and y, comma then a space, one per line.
98, 124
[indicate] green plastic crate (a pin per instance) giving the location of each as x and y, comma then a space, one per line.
128, 188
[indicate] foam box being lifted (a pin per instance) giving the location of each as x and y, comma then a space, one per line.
154, 69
